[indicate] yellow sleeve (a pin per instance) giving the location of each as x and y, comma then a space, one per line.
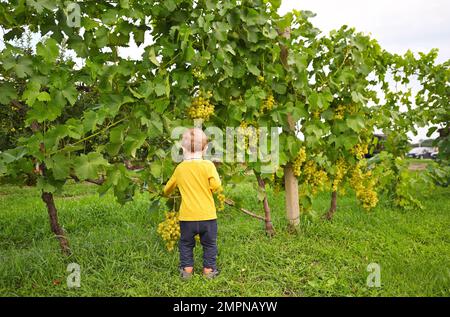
170, 186
214, 179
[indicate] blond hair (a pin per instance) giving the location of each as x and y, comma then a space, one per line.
194, 140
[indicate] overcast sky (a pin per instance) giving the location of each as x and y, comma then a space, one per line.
398, 25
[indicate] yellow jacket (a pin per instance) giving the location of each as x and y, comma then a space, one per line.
196, 179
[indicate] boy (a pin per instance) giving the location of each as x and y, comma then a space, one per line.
196, 180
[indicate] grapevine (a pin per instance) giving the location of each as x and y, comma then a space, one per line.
321, 85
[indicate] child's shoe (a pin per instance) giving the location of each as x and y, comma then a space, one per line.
210, 273
185, 275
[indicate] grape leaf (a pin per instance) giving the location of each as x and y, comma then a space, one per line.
88, 166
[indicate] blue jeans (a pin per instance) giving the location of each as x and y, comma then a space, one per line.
207, 230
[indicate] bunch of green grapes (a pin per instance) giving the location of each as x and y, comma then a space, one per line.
352, 108
268, 103
221, 199
364, 185
341, 170
169, 229
250, 134
339, 112
360, 150
314, 176
201, 107
298, 161
278, 184
197, 73
316, 114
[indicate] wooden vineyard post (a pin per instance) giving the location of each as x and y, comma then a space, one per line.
290, 180
291, 188
292, 204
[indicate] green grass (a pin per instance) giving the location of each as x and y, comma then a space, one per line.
425, 162
120, 253
414, 160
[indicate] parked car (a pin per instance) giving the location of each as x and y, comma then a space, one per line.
434, 155
420, 152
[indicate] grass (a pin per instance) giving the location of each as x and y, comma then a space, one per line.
423, 161
120, 253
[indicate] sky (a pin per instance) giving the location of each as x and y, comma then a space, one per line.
398, 25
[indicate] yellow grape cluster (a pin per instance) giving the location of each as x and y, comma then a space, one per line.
268, 103
198, 74
341, 170
352, 108
249, 133
169, 229
314, 176
339, 112
364, 186
201, 107
316, 114
278, 183
360, 150
221, 199
298, 161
